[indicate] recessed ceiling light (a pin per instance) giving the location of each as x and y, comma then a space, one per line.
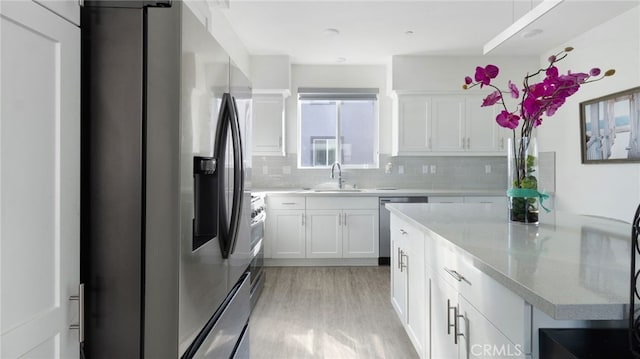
408, 32
331, 32
531, 33
341, 59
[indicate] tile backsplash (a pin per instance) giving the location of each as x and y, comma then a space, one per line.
488, 173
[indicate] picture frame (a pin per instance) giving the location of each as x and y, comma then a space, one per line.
610, 128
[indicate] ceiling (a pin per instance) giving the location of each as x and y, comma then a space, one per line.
371, 31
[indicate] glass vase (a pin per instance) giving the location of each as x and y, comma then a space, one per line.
522, 173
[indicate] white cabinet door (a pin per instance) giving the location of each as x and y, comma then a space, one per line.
483, 134
443, 301
417, 296
324, 233
286, 234
360, 233
268, 125
39, 182
481, 339
447, 123
413, 129
398, 277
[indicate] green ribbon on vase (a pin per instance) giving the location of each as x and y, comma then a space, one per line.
528, 193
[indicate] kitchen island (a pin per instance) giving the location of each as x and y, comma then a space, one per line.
568, 271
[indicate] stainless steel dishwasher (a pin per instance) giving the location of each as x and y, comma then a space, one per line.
385, 234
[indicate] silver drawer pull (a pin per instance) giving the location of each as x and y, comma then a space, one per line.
289, 203
455, 274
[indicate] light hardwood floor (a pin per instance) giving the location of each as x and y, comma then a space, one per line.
327, 312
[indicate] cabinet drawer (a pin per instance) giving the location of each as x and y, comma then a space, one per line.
285, 202
342, 202
502, 307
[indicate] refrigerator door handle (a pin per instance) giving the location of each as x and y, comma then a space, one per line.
224, 230
238, 176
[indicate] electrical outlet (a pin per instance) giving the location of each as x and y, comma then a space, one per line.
400, 169
425, 169
286, 170
432, 168
265, 170
487, 168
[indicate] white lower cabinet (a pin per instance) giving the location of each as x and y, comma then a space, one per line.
324, 233
285, 228
444, 331
342, 227
321, 227
481, 339
409, 284
360, 232
286, 231
449, 308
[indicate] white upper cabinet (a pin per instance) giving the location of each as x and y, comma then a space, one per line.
271, 77
447, 120
410, 130
446, 125
268, 125
68, 9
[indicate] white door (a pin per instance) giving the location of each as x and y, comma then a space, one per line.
443, 301
398, 278
413, 131
39, 182
324, 233
483, 133
447, 123
360, 233
287, 229
268, 123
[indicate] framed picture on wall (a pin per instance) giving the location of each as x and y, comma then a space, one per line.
610, 128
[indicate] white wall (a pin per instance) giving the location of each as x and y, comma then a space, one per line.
611, 190
372, 76
446, 73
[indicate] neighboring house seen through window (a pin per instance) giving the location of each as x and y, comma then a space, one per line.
350, 115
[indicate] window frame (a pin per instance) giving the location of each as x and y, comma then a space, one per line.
339, 96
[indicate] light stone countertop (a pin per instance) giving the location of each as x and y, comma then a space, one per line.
380, 192
569, 266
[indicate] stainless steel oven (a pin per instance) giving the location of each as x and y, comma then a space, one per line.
258, 216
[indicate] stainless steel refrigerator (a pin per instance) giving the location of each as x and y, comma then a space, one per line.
165, 185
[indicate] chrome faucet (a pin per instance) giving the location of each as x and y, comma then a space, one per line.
333, 168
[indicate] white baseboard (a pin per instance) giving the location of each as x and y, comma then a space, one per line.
319, 262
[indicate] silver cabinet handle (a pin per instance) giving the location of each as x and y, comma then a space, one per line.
339, 219
449, 325
345, 220
288, 203
399, 258
80, 325
302, 219
403, 263
455, 274
456, 316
